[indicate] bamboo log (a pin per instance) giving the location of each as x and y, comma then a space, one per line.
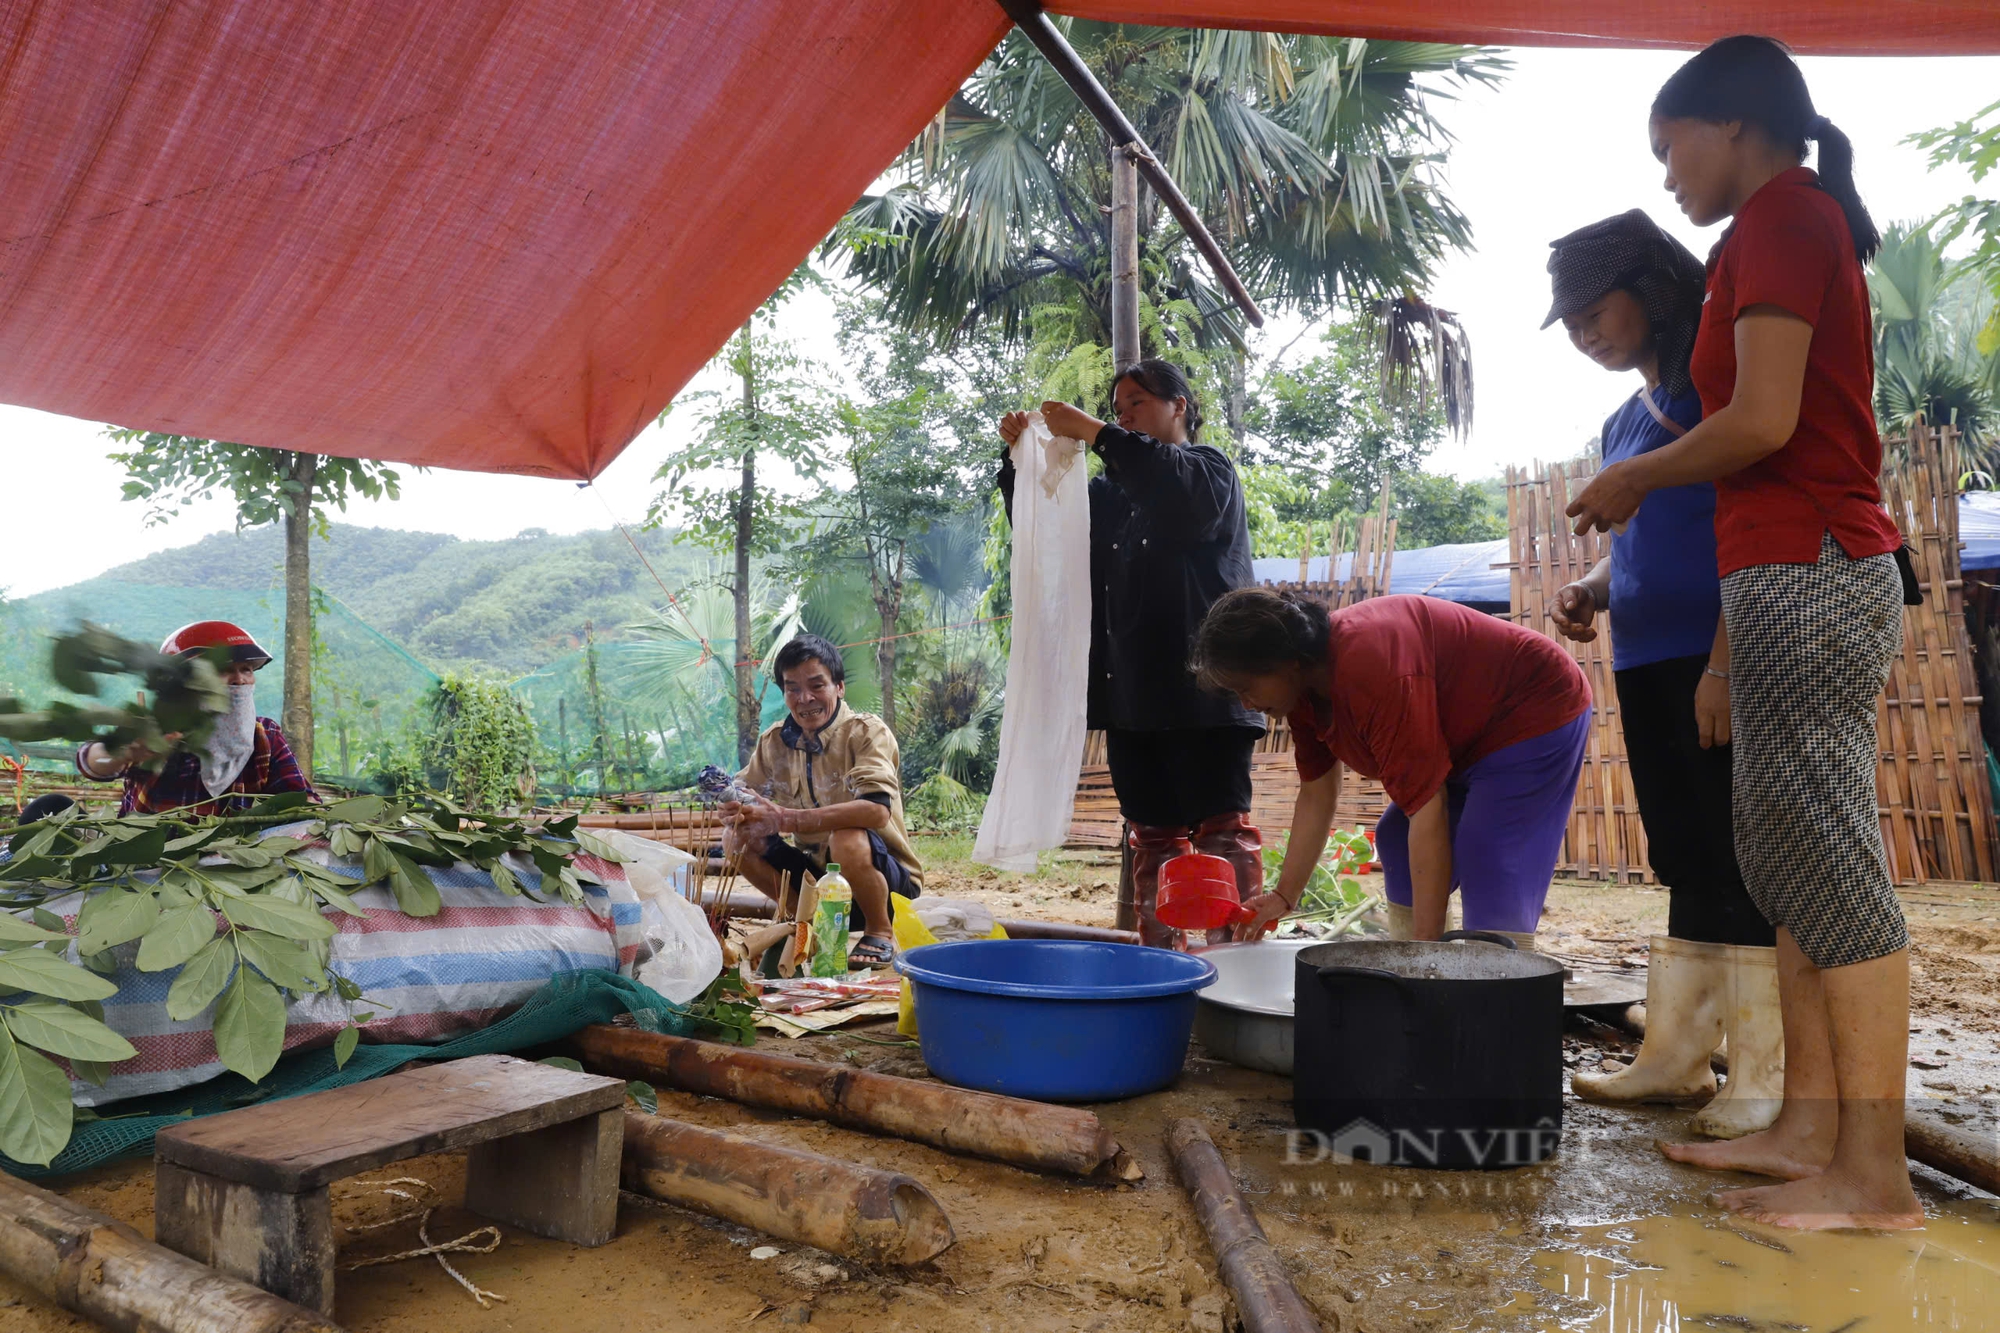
1251, 1268
103, 1270
1949, 1149
858, 1212
1064, 930
756, 907
1022, 1133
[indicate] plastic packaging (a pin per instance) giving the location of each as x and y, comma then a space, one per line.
836, 901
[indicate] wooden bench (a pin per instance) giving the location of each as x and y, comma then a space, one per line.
246, 1191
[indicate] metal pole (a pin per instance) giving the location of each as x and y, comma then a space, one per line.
1124, 259
1028, 16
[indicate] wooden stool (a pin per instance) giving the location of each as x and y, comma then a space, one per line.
246, 1191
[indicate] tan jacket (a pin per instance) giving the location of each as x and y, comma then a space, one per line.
854, 756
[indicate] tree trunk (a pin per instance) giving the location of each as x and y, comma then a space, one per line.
885, 658
298, 718
1125, 350
1239, 395
746, 697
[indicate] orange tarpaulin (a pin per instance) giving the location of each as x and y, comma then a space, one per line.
501, 236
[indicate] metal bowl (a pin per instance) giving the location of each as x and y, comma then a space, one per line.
1246, 1016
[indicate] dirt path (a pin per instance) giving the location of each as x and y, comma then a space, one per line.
1374, 1251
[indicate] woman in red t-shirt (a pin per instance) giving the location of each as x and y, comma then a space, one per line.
1812, 602
1474, 726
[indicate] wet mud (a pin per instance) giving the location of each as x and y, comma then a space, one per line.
1607, 1236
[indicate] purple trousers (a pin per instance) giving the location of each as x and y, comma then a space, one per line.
1508, 812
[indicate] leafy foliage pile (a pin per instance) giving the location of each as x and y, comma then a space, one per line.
237, 909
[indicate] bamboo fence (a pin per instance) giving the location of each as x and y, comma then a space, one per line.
1933, 796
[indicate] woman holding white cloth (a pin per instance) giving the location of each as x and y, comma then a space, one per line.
1168, 537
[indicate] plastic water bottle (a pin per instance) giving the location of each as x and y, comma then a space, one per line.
836, 902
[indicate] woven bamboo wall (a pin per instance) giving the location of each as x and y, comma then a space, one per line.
1935, 804
1606, 839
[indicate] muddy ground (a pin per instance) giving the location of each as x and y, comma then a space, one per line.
1606, 1236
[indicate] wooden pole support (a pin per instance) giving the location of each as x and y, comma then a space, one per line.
100, 1269
1264, 1293
1035, 1135
858, 1212
1124, 257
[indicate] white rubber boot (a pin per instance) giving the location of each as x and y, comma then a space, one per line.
1750, 1100
1687, 995
1402, 920
1524, 940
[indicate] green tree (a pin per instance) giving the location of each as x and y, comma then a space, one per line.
781, 418
1313, 159
1931, 359
1432, 510
917, 444
1973, 143
268, 486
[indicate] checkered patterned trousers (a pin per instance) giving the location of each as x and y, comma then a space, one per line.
1809, 649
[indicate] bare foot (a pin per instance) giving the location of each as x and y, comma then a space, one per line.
1829, 1201
1770, 1152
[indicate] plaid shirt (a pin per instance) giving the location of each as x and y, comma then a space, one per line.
178, 786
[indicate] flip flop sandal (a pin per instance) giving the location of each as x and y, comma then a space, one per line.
871, 951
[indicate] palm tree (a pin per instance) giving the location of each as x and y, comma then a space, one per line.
1312, 158
1929, 315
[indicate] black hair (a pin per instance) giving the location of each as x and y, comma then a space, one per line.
49, 803
1755, 80
1255, 631
1163, 379
809, 648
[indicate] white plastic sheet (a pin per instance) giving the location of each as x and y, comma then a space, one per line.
681, 954
1041, 729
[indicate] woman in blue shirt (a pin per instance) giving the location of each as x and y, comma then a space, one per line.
1630, 297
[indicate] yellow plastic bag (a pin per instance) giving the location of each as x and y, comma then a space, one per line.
910, 933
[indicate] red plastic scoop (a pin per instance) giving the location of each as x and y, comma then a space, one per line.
1198, 892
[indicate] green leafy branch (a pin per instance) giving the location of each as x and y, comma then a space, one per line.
238, 910
179, 696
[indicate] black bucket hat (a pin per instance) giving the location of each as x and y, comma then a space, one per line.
1631, 251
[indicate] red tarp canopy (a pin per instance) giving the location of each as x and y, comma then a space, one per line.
501, 236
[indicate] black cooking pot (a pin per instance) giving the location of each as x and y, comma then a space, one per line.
1422, 1054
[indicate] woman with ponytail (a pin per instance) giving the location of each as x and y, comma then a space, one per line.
1812, 608
1474, 726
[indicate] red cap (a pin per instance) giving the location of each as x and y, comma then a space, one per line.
205, 634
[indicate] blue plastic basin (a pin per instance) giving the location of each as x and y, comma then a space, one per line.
1054, 1020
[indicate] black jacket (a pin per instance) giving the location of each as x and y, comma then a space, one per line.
1168, 537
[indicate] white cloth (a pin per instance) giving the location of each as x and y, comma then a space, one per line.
228, 747
1041, 728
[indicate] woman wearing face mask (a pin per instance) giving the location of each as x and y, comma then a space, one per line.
1812, 599
1629, 296
244, 756
1168, 536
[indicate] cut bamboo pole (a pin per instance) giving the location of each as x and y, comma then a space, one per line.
101, 1269
1264, 1293
857, 1212
1949, 1149
1022, 1133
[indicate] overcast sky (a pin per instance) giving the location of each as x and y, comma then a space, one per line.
1562, 143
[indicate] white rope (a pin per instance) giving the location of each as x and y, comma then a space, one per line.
421, 1209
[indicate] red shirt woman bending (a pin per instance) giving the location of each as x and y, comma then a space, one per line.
1812, 603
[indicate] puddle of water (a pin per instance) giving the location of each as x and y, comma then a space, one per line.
1683, 1274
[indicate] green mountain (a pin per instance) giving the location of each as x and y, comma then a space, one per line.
502, 607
